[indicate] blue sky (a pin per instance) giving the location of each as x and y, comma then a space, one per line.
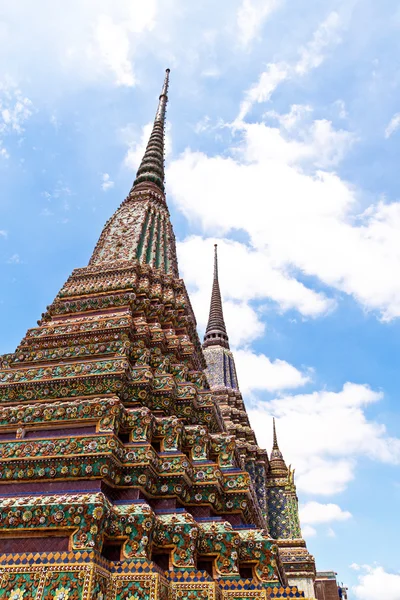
283, 144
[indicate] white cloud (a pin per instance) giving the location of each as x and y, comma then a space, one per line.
323, 433
112, 40
90, 41
323, 476
315, 513
330, 144
312, 56
316, 142
375, 582
3, 233
112, 45
257, 372
251, 16
393, 125
308, 531
300, 218
107, 183
115, 35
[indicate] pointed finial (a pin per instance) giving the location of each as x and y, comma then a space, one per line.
275, 442
162, 103
151, 169
215, 262
216, 331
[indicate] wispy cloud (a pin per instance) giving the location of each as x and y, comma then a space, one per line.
312, 56
61, 194
393, 125
15, 259
251, 16
268, 81
107, 183
15, 110
46, 212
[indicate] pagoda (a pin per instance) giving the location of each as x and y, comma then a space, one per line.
272, 480
129, 470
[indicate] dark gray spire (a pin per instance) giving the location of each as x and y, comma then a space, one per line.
151, 168
216, 331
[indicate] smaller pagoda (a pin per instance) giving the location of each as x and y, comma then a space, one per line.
273, 481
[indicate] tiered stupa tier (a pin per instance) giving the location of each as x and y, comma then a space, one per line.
123, 475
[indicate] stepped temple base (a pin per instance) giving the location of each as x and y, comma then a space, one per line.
88, 576
81, 547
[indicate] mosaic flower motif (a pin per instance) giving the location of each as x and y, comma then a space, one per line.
98, 512
17, 594
62, 593
59, 516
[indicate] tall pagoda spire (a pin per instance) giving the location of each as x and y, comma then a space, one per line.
216, 330
151, 169
141, 230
